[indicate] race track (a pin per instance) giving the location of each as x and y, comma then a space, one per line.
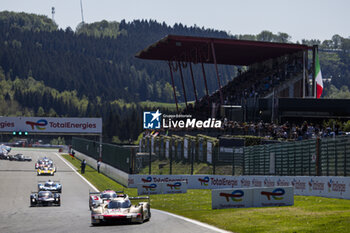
19, 179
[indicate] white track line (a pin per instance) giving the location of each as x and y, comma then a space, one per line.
91, 185
161, 211
194, 221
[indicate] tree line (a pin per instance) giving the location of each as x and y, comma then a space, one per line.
47, 71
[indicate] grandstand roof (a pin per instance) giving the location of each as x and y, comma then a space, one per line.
227, 51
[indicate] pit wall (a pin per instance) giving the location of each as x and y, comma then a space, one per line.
330, 186
112, 172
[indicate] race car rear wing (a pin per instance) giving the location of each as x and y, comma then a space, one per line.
44, 181
140, 198
95, 193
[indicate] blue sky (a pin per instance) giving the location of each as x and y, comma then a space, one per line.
309, 19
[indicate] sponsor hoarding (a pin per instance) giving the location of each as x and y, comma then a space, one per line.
277, 196
252, 197
231, 198
337, 187
149, 188
174, 187
51, 125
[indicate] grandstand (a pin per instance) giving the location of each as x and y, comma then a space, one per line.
269, 73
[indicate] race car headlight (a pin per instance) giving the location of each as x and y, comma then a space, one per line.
98, 217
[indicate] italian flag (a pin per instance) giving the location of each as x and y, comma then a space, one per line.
318, 74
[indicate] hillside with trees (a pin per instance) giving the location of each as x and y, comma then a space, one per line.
47, 71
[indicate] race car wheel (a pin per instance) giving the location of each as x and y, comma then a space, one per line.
142, 216
31, 203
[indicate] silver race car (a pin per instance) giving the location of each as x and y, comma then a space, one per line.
45, 198
53, 186
20, 157
121, 209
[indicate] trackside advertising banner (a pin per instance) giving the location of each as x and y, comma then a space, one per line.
161, 188
51, 124
252, 197
174, 187
231, 198
277, 196
149, 189
331, 186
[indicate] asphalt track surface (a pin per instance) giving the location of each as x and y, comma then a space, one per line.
19, 179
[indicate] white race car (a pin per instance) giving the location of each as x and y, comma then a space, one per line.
97, 198
121, 209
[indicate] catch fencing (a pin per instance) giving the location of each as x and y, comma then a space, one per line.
313, 157
117, 156
206, 155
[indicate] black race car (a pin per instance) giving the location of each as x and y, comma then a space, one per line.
45, 198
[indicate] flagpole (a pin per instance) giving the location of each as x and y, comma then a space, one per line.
314, 51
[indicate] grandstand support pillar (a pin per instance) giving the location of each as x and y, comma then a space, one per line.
217, 72
150, 156
173, 84
100, 155
183, 84
205, 79
304, 74
318, 157
194, 85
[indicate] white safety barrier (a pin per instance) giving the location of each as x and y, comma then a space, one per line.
252, 197
324, 186
148, 188
112, 172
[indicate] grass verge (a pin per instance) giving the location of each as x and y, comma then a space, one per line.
309, 214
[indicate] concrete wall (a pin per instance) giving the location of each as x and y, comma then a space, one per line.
113, 173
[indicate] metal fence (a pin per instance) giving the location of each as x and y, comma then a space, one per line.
290, 158
181, 155
314, 157
117, 156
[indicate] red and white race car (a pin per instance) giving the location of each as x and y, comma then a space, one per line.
97, 198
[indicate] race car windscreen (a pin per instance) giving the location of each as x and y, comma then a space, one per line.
50, 185
45, 194
108, 195
119, 204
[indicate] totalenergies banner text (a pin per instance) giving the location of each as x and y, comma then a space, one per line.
324, 186
51, 124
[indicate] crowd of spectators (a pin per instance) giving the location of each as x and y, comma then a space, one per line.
284, 131
259, 81
256, 82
